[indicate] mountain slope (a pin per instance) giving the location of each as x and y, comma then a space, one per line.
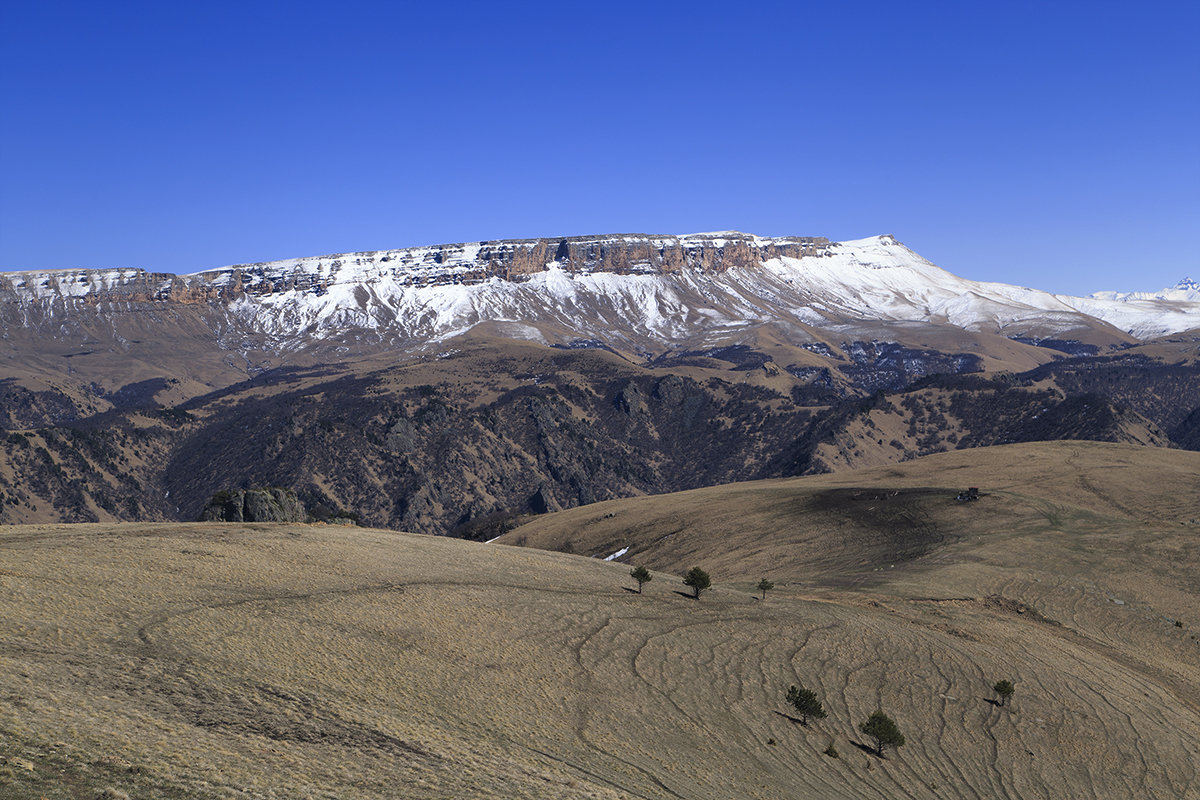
457, 387
494, 429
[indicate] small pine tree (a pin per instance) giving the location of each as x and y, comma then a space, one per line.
881, 728
765, 586
806, 703
697, 579
1003, 690
641, 575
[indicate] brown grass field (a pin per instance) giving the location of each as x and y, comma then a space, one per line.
292, 661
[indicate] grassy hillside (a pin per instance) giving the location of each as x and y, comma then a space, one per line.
259, 661
828, 527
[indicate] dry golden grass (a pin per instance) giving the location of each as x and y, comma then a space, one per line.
291, 661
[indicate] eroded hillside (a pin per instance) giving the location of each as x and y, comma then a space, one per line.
488, 430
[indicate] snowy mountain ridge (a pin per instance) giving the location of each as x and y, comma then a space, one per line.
1187, 289
624, 288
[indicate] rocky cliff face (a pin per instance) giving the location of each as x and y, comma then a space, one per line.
515, 259
437, 265
634, 291
95, 286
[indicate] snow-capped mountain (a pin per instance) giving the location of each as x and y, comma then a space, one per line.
634, 290
1186, 290
674, 362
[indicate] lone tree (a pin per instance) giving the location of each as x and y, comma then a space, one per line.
697, 579
1003, 690
883, 730
765, 586
641, 575
806, 703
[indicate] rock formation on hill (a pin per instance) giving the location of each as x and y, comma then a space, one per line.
254, 505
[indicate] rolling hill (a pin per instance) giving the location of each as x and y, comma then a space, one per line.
257, 661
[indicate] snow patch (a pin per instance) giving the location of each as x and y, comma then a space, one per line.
617, 554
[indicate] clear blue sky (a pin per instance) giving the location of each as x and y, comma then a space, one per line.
1054, 145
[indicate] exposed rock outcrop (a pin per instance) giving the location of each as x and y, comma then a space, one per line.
254, 505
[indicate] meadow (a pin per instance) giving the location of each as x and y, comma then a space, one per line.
281, 661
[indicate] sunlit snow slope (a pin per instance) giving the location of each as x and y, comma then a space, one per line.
622, 289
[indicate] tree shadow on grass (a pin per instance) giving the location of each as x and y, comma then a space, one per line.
631, 591
789, 717
688, 595
868, 749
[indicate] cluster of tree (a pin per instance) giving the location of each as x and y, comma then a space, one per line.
696, 578
879, 727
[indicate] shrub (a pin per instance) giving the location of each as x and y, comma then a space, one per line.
1003, 690
641, 575
806, 703
883, 731
697, 579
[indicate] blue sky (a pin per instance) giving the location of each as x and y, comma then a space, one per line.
1054, 145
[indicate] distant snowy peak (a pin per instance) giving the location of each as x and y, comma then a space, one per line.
1186, 290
